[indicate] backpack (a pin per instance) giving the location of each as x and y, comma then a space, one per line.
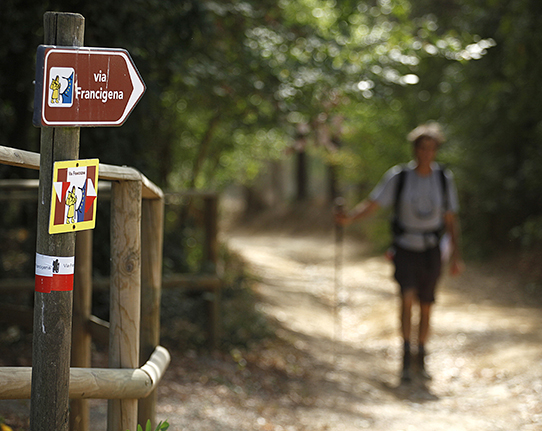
396, 227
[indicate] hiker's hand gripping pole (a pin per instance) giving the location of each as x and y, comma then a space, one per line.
362, 210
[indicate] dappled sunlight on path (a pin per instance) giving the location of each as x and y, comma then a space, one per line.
485, 354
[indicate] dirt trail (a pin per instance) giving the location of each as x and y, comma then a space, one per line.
485, 350
318, 375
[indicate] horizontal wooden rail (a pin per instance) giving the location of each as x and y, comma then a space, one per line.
191, 281
24, 159
27, 190
96, 383
30, 160
180, 281
99, 329
23, 316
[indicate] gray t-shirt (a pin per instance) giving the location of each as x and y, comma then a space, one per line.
421, 209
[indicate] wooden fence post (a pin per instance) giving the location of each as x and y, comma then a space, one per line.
210, 252
152, 234
125, 300
49, 408
82, 310
210, 257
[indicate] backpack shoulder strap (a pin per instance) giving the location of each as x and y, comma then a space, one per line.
444, 186
395, 224
399, 188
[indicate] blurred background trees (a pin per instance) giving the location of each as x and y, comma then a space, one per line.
323, 91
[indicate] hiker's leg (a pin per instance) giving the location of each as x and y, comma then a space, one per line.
405, 274
425, 316
407, 300
428, 284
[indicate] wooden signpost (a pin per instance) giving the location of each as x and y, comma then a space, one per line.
75, 87
49, 406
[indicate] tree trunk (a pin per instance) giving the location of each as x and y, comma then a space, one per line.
301, 176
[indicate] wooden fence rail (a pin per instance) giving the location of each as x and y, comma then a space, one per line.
209, 282
30, 160
136, 254
94, 383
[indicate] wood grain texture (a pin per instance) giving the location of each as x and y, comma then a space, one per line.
125, 294
49, 407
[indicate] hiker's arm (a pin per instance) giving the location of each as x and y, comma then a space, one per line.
452, 228
363, 209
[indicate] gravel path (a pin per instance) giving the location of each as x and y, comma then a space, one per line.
336, 367
340, 371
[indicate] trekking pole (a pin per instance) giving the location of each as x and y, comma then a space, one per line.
339, 234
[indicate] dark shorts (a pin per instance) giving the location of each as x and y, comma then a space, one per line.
419, 271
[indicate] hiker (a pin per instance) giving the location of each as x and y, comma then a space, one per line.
424, 197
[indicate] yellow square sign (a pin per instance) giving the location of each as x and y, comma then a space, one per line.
73, 200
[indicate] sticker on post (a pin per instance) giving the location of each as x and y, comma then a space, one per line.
54, 273
73, 199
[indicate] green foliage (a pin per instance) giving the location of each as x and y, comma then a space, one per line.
224, 74
232, 84
216, 68
495, 122
529, 233
183, 235
162, 426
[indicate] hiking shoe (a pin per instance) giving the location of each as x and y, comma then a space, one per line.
421, 364
406, 375
425, 375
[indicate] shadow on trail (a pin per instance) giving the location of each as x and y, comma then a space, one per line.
417, 391
380, 374
484, 353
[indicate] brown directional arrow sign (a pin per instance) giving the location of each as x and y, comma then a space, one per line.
78, 87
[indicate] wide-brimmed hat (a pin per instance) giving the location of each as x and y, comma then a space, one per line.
428, 130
